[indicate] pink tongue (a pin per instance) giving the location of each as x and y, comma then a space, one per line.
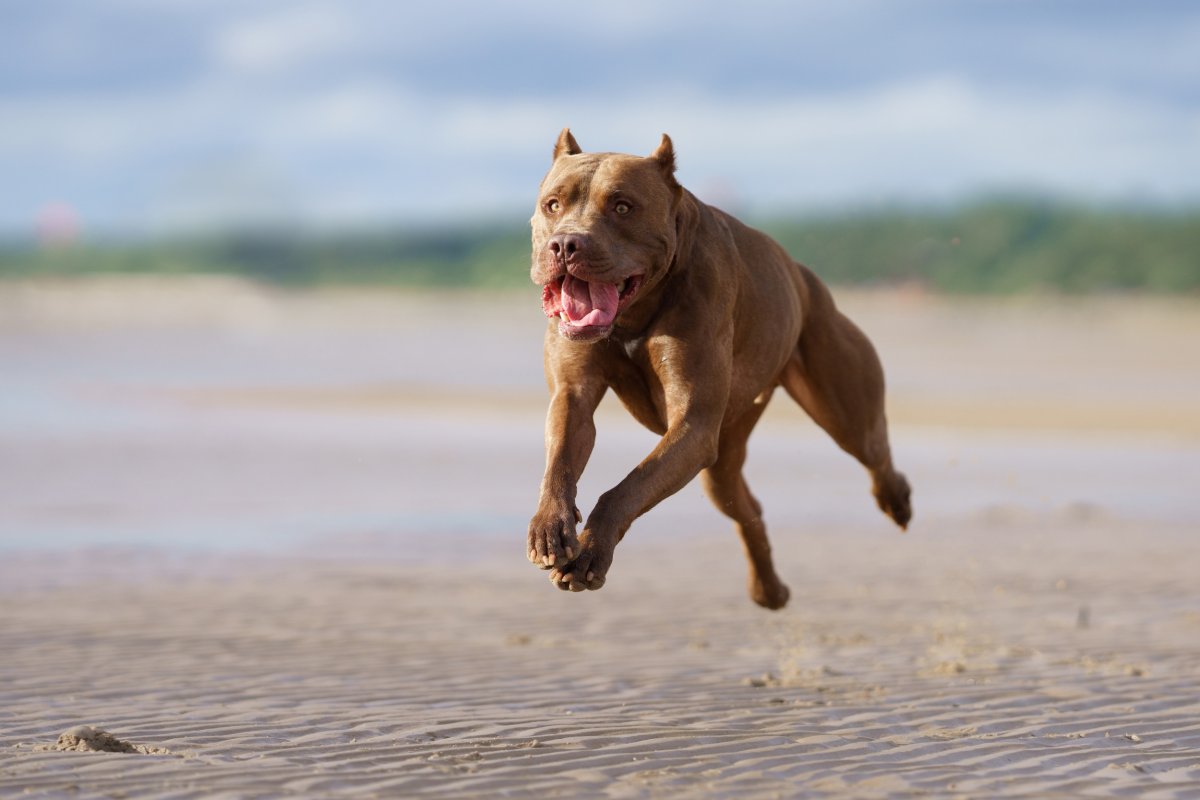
589, 303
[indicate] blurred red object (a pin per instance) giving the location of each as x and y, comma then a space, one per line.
57, 225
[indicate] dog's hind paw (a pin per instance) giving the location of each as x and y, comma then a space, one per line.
895, 498
773, 596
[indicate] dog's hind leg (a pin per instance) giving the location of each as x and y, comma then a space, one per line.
836, 377
726, 487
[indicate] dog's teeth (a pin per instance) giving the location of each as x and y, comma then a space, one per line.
562, 315
621, 286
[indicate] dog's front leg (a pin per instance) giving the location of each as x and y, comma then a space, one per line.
570, 435
695, 378
689, 446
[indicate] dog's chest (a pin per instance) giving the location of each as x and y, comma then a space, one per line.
633, 377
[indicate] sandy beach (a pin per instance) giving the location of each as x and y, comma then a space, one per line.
275, 540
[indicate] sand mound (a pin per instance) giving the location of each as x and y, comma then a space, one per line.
86, 739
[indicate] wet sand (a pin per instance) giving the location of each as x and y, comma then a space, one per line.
279, 537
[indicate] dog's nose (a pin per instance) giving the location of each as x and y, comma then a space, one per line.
568, 246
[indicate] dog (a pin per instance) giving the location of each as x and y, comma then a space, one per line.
693, 319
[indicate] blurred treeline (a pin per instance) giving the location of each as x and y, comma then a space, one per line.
994, 247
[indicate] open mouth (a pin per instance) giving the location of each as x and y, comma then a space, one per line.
586, 309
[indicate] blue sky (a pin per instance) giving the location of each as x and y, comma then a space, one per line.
149, 116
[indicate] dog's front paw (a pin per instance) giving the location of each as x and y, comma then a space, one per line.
588, 569
552, 537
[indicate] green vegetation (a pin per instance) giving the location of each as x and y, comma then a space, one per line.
1004, 248
1000, 247
479, 256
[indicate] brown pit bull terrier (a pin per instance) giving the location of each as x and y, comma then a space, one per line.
693, 319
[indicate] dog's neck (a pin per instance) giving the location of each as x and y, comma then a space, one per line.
633, 323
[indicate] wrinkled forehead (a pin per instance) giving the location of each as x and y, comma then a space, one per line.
601, 174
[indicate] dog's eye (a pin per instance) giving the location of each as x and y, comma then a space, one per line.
622, 208
553, 206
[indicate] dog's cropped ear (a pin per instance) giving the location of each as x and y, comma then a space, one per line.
566, 145
664, 154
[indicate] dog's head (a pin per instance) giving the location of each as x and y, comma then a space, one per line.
604, 233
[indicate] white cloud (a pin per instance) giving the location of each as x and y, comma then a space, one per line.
924, 140
371, 150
